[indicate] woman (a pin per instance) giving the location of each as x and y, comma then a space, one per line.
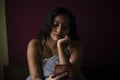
57, 43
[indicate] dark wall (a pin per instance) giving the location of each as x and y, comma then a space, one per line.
96, 21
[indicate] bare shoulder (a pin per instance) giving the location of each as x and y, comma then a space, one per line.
76, 50
35, 42
76, 47
75, 44
34, 47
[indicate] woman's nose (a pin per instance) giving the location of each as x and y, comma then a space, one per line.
59, 28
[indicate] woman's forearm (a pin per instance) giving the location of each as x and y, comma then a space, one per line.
62, 56
37, 79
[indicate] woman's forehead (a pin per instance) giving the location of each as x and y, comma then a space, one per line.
62, 18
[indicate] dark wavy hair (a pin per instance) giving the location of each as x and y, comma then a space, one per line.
47, 26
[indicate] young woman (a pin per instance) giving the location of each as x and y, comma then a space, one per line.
56, 44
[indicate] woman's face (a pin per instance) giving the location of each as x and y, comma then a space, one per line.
60, 27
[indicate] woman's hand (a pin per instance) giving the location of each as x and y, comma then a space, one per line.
59, 77
63, 42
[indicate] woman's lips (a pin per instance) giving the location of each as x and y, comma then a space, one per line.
58, 36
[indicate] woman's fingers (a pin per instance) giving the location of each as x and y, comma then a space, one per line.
61, 76
63, 41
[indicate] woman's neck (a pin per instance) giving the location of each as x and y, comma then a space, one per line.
52, 43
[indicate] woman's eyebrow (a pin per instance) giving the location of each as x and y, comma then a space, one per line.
61, 22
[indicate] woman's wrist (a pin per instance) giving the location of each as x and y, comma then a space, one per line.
38, 79
59, 45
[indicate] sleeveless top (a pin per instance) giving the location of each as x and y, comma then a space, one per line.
48, 66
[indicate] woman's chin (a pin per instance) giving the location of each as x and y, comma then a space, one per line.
56, 39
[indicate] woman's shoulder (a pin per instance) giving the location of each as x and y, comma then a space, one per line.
76, 46
35, 42
75, 43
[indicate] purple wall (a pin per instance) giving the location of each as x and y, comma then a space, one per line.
96, 23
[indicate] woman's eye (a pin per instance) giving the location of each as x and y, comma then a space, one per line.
65, 25
55, 24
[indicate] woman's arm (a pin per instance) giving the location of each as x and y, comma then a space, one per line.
34, 59
75, 56
61, 50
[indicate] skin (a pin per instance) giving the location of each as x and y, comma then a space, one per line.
55, 44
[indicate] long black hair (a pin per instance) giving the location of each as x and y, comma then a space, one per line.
47, 26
